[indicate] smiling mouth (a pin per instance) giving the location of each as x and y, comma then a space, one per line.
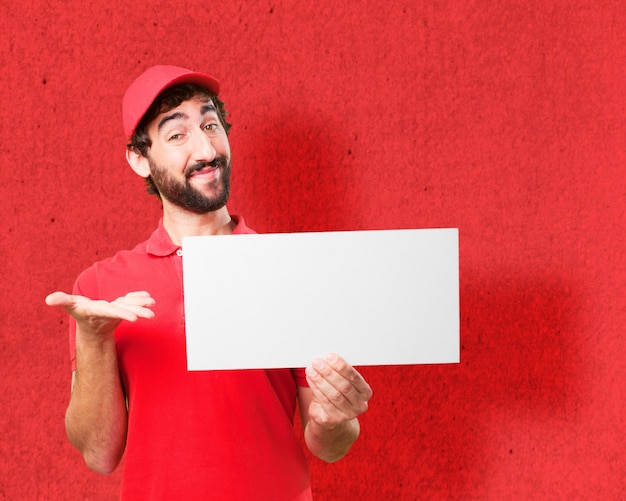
204, 167
203, 170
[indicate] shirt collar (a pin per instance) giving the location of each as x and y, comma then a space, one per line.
160, 244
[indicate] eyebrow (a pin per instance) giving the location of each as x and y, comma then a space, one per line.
172, 116
206, 108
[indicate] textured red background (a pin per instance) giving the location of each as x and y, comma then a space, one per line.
504, 119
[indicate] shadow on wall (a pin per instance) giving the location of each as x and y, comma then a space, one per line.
521, 337
299, 176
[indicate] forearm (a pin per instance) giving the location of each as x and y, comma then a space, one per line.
331, 444
96, 418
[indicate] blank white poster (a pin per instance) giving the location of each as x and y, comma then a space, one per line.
383, 297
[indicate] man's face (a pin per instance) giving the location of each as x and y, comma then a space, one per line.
190, 156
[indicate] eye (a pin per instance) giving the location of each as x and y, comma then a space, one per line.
175, 134
211, 127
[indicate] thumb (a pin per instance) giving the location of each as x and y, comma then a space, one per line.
59, 299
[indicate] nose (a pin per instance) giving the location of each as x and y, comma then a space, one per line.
203, 149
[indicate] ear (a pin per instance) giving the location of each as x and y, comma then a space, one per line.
138, 163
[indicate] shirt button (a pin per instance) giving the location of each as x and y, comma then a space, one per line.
179, 252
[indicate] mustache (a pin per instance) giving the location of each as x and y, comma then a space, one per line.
218, 161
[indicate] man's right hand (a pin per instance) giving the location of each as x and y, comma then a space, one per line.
100, 317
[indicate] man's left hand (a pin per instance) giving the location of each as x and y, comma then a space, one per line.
339, 392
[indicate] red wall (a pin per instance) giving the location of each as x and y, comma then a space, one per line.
504, 119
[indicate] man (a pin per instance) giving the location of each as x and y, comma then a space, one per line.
225, 435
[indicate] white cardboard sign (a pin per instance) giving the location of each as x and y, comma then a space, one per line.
383, 297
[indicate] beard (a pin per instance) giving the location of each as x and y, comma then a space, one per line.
184, 195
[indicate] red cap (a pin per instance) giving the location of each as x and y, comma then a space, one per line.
143, 91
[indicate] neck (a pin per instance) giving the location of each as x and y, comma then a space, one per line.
180, 223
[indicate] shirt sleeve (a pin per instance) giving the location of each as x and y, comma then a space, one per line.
300, 377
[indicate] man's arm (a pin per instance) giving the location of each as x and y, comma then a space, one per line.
337, 394
96, 418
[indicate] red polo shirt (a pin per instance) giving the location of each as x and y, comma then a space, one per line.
225, 435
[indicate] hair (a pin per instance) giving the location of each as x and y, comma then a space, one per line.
168, 100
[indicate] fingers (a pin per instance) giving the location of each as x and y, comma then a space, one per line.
137, 304
135, 300
338, 387
348, 372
